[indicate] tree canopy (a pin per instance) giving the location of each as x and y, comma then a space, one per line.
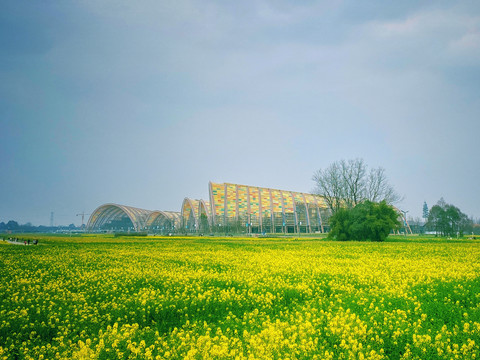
448, 220
367, 221
425, 210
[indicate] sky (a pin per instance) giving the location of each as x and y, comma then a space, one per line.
142, 103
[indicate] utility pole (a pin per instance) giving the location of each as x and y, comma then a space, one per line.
51, 219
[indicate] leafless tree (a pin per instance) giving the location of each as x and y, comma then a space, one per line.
378, 188
347, 183
353, 180
329, 183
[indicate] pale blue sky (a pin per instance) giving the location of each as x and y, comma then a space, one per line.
142, 103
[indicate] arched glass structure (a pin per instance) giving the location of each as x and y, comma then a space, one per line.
117, 217
190, 214
114, 217
204, 216
196, 215
162, 222
266, 210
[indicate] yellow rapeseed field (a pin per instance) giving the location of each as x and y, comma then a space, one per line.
199, 298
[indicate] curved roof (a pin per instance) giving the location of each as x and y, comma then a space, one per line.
163, 216
108, 212
204, 208
190, 209
234, 200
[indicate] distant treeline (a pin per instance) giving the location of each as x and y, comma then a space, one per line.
14, 227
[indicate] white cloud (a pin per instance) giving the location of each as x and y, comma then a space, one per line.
441, 35
468, 45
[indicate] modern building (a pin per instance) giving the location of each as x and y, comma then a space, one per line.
252, 209
231, 208
114, 217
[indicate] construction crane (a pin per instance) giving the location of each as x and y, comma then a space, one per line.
83, 217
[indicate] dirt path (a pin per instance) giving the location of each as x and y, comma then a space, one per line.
19, 243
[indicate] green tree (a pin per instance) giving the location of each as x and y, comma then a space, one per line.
448, 220
204, 225
425, 210
367, 221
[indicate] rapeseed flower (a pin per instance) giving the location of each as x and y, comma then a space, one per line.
104, 298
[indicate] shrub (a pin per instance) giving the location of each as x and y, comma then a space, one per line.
368, 221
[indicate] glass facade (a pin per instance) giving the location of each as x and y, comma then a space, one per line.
258, 209
114, 217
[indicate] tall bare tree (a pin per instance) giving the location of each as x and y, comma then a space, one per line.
329, 183
347, 183
378, 187
353, 179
